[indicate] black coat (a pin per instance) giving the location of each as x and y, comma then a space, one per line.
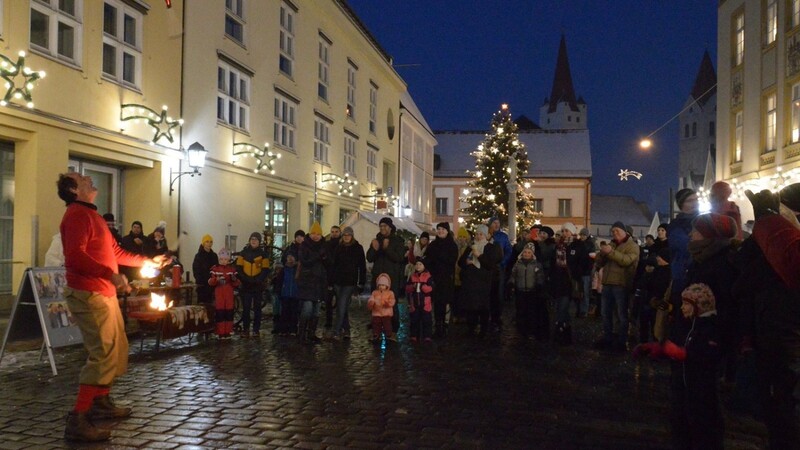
441, 257
131, 246
720, 274
312, 281
476, 282
202, 264
349, 265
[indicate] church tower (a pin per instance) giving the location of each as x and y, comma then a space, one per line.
562, 111
697, 144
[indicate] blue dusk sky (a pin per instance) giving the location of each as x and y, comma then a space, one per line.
633, 62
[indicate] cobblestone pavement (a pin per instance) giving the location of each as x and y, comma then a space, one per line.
500, 392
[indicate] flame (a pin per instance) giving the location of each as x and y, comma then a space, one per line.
148, 272
158, 302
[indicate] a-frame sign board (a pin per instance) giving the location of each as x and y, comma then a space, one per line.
40, 301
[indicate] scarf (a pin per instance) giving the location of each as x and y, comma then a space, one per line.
477, 247
704, 249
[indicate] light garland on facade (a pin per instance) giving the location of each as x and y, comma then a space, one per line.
19, 80
161, 122
246, 150
345, 183
774, 183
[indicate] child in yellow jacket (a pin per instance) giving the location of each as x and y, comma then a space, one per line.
381, 303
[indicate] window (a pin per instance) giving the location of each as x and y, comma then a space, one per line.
122, 43
739, 39
322, 141
564, 207
286, 62
351, 90
441, 206
737, 140
694, 129
284, 122
712, 130
233, 97
7, 193
56, 29
276, 220
686, 130
795, 13
772, 21
372, 164
350, 155
234, 20
771, 123
538, 205
323, 68
107, 179
373, 107
796, 113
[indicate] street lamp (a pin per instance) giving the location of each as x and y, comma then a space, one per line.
407, 211
646, 143
196, 155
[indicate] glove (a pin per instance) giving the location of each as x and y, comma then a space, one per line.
673, 351
764, 203
652, 349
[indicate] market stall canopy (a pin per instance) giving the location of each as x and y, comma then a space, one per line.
365, 225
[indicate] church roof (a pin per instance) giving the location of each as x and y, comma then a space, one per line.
607, 209
526, 124
562, 81
705, 82
552, 153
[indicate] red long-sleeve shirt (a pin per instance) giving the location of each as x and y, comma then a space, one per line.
780, 242
90, 252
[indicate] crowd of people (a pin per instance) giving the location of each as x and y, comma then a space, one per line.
719, 308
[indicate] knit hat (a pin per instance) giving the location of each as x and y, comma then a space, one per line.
721, 190
491, 220
629, 229
790, 196
108, 217
300, 233
700, 296
584, 232
569, 226
161, 227
445, 225
206, 238
388, 221
348, 230
665, 254
482, 229
530, 247
316, 228
549, 231
425, 235
682, 195
255, 234
419, 259
383, 279
619, 225
715, 225
462, 233
224, 253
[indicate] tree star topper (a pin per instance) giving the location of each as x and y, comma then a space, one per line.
625, 173
251, 151
162, 123
19, 80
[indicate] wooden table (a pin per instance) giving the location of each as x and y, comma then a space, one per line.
174, 322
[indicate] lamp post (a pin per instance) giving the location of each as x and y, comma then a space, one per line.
196, 155
512, 199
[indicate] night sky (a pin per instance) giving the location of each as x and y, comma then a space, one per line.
634, 63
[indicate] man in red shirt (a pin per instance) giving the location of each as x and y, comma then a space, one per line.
91, 256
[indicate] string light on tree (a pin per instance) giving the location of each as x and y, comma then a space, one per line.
19, 80
486, 194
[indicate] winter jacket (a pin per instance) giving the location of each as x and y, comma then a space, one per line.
349, 266
285, 283
441, 257
201, 267
547, 254
152, 247
129, 245
330, 247
578, 260
253, 267
619, 266
560, 279
678, 233
719, 273
500, 238
780, 242
390, 260
223, 279
418, 291
381, 303
312, 276
657, 284
294, 249
527, 275
476, 282
696, 375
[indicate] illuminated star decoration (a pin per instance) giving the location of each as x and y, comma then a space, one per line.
19, 80
345, 183
625, 173
161, 123
251, 151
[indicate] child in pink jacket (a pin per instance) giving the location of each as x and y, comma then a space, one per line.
381, 303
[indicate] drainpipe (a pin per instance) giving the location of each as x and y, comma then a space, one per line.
180, 137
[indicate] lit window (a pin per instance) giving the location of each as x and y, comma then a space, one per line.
56, 28
372, 164
796, 113
351, 90
373, 108
234, 20
350, 155
286, 61
285, 125
233, 96
739, 39
772, 21
537, 205
737, 140
323, 68
441, 206
795, 13
322, 141
122, 43
771, 122
564, 207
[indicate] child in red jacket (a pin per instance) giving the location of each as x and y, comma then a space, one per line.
418, 292
381, 303
223, 280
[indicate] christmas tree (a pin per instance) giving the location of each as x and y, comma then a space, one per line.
487, 190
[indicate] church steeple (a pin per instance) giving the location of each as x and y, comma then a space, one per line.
563, 109
562, 81
706, 81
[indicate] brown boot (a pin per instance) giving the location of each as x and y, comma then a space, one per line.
104, 408
80, 428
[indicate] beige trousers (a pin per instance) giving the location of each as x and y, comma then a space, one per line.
100, 321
